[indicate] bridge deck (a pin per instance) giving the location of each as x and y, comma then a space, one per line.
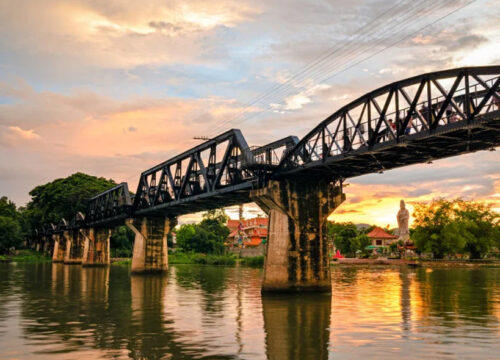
446, 141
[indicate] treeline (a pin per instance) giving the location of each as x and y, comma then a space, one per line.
61, 198
441, 229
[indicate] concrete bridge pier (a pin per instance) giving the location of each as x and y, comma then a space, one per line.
150, 254
47, 246
59, 247
96, 248
75, 240
297, 248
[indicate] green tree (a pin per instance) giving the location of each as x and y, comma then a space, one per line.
218, 215
430, 223
10, 229
445, 227
122, 241
8, 208
345, 237
206, 237
363, 241
478, 226
63, 198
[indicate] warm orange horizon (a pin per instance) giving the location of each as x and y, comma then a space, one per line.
111, 89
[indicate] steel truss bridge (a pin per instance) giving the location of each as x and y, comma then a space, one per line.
416, 120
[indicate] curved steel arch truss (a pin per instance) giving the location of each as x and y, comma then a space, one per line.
415, 120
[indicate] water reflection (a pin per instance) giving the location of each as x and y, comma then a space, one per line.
54, 311
297, 326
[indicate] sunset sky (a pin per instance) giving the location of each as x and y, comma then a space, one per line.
111, 88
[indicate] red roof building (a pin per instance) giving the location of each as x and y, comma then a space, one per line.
380, 237
251, 232
233, 224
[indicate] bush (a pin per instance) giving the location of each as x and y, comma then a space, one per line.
196, 258
253, 261
227, 260
121, 253
30, 256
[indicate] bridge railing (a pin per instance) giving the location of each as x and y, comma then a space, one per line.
113, 203
272, 154
394, 112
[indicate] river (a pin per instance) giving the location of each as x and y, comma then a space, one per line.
53, 311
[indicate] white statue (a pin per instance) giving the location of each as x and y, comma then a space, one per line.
403, 218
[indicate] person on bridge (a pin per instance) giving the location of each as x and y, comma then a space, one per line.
410, 124
451, 115
424, 111
496, 100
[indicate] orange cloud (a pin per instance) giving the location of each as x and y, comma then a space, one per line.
13, 136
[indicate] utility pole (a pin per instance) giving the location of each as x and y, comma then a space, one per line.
204, 138
241, 212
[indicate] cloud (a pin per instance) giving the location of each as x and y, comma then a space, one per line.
120, 34
15, 136
114, 87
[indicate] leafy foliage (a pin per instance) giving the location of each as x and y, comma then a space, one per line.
347, 238
253, 261
206, 237
445, 227
122, 242
180, 257
10, 225
63, 198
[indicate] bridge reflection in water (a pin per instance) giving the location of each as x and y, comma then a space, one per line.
60, 312
297, 327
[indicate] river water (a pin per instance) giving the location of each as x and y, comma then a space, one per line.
53, 311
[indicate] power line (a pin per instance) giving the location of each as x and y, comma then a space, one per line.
353, 56
332, 50
306, 67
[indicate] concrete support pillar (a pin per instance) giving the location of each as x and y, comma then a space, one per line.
59, 247
150, 252
74, 248
297, 248
96, 247
67, 238
46, 246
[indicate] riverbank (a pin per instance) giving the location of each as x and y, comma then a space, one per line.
380, 261
25, 256
258, 261
424, 263
203, 259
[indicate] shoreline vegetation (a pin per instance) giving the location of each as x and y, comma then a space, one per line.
193, 258
442, 229
30, 256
